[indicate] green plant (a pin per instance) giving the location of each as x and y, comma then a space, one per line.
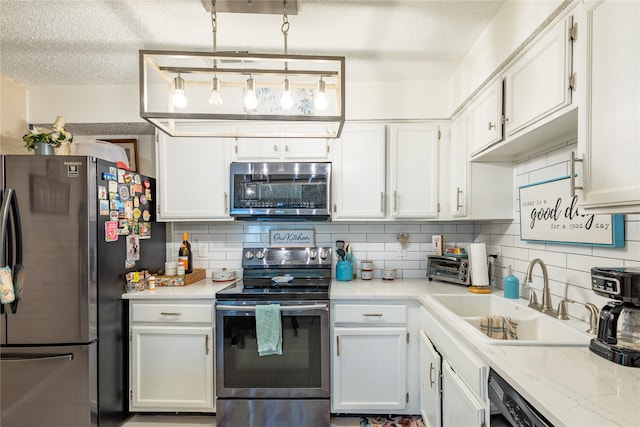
55, 138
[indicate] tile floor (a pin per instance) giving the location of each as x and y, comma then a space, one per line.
208, 421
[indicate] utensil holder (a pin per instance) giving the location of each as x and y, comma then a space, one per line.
344, 271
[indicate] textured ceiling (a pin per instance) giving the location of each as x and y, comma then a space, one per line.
60, 42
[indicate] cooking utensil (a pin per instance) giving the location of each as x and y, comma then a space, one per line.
340, 249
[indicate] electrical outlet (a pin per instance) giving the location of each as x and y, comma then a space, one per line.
402, 252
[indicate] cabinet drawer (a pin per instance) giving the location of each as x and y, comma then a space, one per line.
172, 313
370, 314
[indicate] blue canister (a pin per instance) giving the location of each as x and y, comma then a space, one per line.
511, 285
344, 271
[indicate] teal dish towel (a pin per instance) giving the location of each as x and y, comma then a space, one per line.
268, 329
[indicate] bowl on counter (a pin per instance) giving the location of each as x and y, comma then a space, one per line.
388, 274
223, 275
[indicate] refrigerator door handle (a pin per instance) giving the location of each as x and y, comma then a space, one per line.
48, 357
18, 271
9, 209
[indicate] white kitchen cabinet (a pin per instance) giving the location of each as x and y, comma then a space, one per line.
370, 369
413, 170
459, 406
284, 149
609, 117
538, 84
193, 178
485, 118
476, 190
464, 392
359, 172
430, 383
171, 357
374, 358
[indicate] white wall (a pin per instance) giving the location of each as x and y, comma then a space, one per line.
13, 116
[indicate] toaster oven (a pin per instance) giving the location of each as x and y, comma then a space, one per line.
454, 269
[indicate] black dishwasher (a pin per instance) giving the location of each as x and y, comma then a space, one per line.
513, 409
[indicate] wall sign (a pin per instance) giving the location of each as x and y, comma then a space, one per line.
549, 214
297, 238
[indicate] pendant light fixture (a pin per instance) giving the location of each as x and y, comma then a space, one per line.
215, 98
179, 97
241, 94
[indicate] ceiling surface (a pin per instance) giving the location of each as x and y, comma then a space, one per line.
87, 42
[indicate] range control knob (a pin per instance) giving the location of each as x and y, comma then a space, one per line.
324, 254
313, 254
248, 255
259, 254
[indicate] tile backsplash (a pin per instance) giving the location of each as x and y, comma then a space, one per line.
219, 244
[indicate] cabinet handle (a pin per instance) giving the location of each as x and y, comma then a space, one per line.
168, 313
491, 126
275, 147
335, 208
395, 200
505, 120
286, 148
372, 314
431, 369
207, 343
572, 172
458, 193
226, 202
338, 346
382, 201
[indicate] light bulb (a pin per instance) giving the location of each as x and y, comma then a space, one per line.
250, 99
179, 98
321, 97
286, 101
215, 98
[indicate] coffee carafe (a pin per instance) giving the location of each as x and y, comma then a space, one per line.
618, 338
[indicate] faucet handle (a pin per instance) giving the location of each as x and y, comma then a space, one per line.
533, 299
562, 309
594, 314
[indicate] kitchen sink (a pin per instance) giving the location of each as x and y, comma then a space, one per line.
534, 328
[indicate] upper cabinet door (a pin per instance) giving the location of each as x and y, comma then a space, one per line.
458, 166
286, 149
485, 118
538, 83
193, 178
359, 172
413, 167
609, 123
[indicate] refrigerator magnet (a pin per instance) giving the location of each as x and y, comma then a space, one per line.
102, 192
111, 231
104, 207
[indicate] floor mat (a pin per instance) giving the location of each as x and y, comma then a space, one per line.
399, 421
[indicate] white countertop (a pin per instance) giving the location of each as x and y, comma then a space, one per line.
204, 289
569, 385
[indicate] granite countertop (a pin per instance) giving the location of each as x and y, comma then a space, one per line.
569, 385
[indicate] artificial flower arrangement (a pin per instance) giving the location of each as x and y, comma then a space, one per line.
54, 136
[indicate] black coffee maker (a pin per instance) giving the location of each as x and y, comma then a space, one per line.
618, 337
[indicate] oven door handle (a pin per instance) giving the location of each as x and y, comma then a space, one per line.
282, 307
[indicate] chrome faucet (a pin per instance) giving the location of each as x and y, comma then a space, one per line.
546, 293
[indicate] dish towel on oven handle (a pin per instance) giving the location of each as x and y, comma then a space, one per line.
268, 329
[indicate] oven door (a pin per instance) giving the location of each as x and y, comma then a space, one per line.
301, 371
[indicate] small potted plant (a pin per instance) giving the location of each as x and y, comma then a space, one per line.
44, 141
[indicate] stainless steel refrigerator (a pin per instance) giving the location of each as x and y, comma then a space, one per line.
63, 349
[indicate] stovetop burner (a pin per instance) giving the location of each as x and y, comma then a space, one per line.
309, 267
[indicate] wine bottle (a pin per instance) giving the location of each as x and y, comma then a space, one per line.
184, 254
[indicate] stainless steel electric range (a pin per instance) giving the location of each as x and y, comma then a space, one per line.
292, 388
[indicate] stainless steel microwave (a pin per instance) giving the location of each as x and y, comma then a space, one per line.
281, 191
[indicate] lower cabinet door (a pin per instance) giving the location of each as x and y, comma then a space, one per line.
430, 361
370, 369
460, 407
172, 368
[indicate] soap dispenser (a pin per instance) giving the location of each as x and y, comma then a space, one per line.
511, 285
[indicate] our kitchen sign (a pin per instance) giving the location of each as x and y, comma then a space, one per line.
297, 238
549, 214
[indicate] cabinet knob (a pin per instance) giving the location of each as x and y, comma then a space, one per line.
491, 126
